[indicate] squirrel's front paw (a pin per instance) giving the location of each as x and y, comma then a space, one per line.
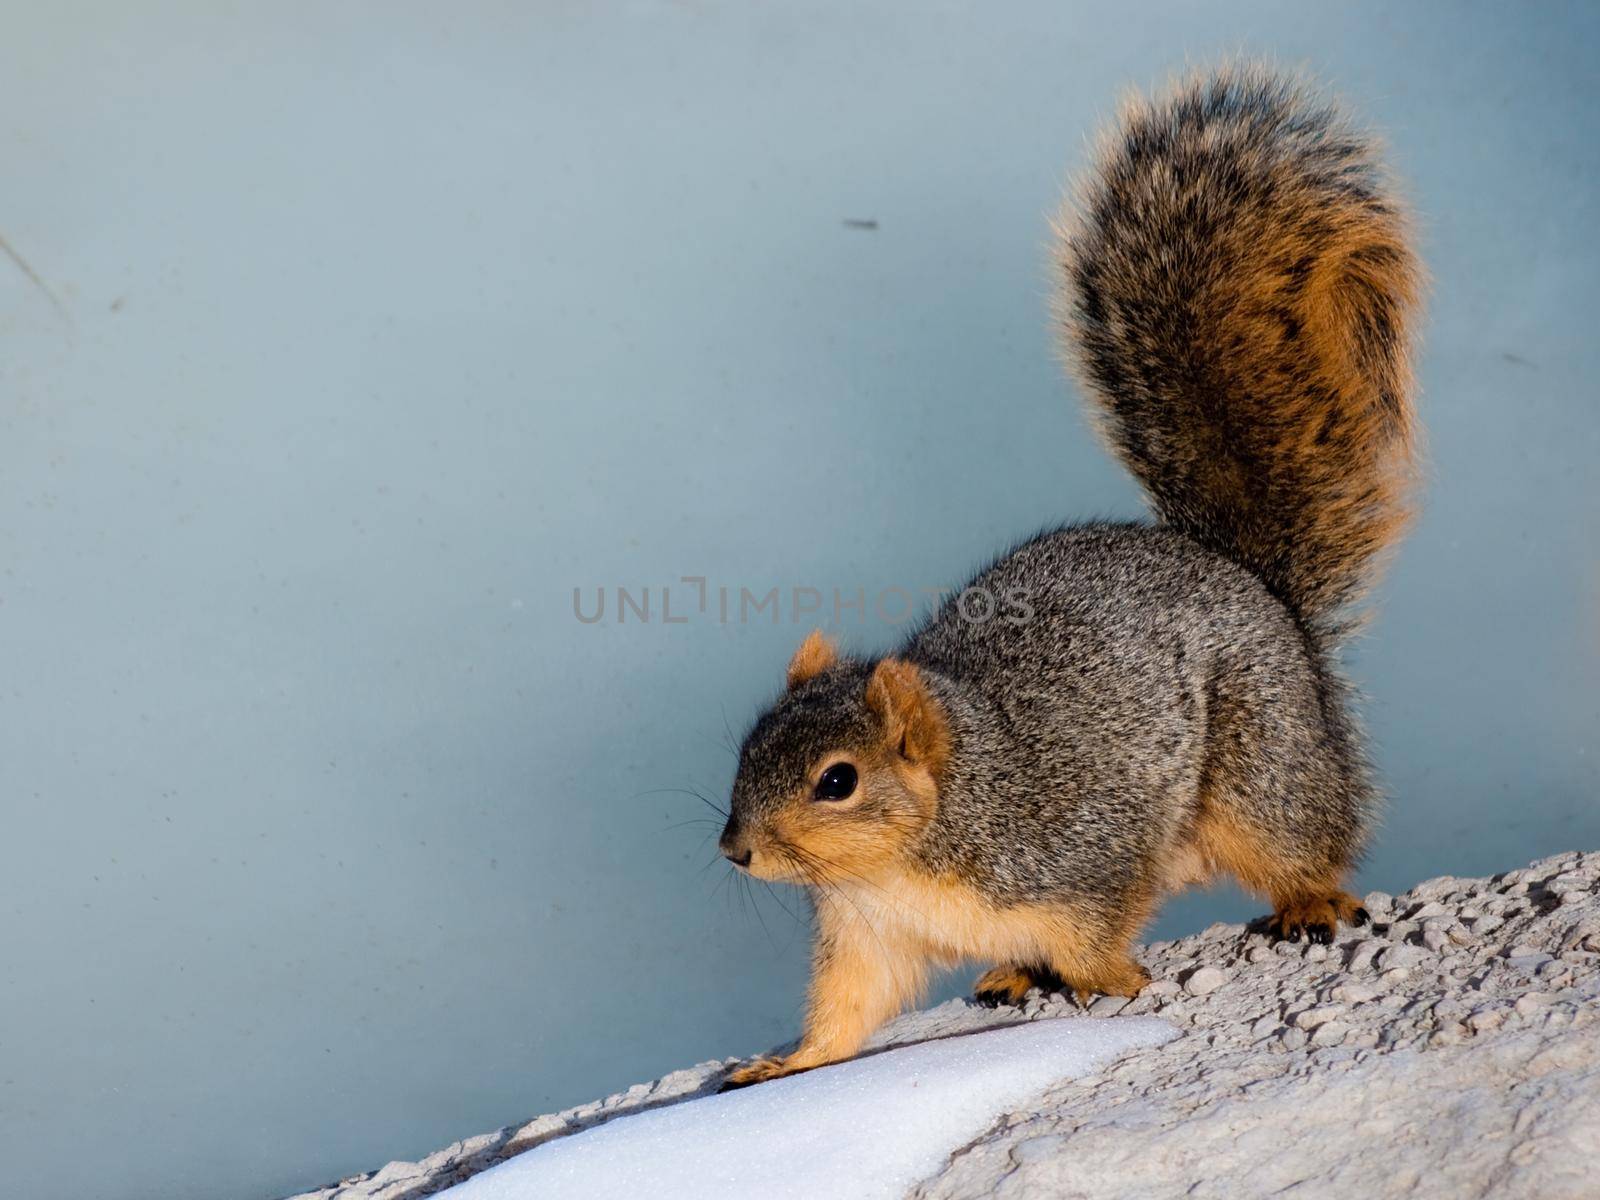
1009, 984
759, 1071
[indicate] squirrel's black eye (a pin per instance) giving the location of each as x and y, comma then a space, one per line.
837, 782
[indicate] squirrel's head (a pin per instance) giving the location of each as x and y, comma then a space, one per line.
841, 774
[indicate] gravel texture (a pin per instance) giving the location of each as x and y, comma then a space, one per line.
1451, 1049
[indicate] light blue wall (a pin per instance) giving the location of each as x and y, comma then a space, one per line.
374, 329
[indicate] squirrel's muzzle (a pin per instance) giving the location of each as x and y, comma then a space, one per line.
735, 844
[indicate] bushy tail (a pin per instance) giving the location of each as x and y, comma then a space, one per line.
1238, 292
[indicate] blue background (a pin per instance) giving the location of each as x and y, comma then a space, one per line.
362, 334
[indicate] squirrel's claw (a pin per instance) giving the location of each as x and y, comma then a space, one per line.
1316, 918
1316, 933
1010, 984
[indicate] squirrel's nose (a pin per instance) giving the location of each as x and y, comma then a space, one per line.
735, 844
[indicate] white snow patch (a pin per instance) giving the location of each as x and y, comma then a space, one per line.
870, 1127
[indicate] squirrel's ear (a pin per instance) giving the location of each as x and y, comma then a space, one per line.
913, 719
816, 655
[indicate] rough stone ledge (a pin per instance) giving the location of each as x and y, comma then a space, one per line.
1452, 1049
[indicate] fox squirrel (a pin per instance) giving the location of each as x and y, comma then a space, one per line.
1237, 296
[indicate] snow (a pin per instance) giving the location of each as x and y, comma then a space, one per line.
870, 1127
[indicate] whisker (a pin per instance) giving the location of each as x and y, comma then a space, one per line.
714, 807
695, 821
857, 877
813, 872
795, 928
755, 904
779, 900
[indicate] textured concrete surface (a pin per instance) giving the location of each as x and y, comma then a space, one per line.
1452, 1049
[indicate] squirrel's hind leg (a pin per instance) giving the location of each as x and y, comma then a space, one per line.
1315, 915
1286, 799
1302, 883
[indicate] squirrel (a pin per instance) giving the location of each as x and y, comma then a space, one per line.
1237, 292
